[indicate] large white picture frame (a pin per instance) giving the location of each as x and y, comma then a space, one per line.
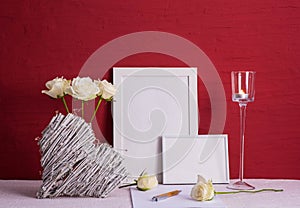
149, 103
185, 157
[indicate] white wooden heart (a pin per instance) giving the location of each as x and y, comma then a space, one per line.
73, 165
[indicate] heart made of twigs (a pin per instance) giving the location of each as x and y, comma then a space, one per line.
73, 165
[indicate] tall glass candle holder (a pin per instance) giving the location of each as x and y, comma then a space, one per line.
243, 91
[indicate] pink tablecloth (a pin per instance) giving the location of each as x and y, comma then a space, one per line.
21, 194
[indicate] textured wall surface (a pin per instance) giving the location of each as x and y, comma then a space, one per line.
40, 40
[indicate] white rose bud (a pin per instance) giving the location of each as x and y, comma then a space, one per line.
146, 182
56, 87
83, 89
203, 190
107, 90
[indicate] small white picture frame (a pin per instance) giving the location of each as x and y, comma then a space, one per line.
151, 102
185, 157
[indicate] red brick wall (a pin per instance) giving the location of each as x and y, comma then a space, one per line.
40, 40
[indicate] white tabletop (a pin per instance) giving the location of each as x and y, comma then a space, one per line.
21, 194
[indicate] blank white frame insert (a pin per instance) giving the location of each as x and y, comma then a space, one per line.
151, 102
185, 157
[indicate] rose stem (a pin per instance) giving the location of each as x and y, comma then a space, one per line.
127, 185
82, 109
65, 104
248, 191
96, 109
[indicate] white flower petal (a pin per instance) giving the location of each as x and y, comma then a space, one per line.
107, 90
83, 89
146, 182
201, 179
203, 190
56, 87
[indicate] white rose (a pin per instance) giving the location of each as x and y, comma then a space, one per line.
56, 87
107, 90
146, 182
83, 89
203, 190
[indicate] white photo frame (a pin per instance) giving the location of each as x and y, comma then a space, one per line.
151, 102
185, 157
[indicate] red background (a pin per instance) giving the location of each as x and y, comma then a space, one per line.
43, 39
